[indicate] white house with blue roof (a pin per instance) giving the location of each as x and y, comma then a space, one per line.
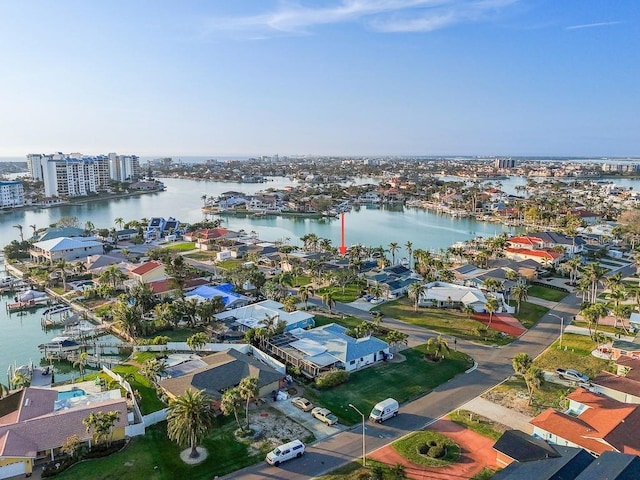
256, 314
225, 291
322, 348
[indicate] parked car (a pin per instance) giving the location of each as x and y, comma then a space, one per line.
294, 449
572, 375
324, 415
302, 403
376, 300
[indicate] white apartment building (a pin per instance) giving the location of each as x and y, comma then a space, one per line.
124, 168
75, 176
11, 194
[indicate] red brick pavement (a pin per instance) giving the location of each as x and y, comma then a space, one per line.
476, 453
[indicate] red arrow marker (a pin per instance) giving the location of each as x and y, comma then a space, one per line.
342, 249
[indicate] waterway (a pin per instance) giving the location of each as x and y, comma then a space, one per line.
182, 200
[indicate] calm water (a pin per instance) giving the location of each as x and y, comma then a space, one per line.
182, 199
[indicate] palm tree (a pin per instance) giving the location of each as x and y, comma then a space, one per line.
101, 424
533, 378
393, 249
35, 229
413, 292
113, 275
62, 266
127, 318
395, 338
197, 341
469, 310
305, 291
19, 227
328, 300
119, 221
231, 403
519, 292
189, 419
521, 363
409, 247
593, 272
154, 369
491, 306
248, 390
81, 362
440, 344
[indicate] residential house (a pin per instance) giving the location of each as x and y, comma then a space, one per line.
208, 238
58, 232
543, 257
570, 463
548, 241
219, 372
158, 227
167, 287
225, 292
625, 348
517, 446
327, 347
256, 314
65, 248
593, 422
623, 386
449, 295
35, 424
149, 272
369, 197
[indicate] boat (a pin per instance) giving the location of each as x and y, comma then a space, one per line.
59, 345
6, 282
58, 308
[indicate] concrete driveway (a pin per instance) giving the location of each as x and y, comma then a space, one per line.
320, 430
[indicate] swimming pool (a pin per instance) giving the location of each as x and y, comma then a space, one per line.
78, 392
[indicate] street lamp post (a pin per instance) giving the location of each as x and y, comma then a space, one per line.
561, 325
364, 448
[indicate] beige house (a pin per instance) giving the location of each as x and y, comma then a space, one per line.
149, 272
67, 248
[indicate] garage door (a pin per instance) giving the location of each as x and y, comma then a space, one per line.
13, 469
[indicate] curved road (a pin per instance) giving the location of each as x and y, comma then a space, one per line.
494, 366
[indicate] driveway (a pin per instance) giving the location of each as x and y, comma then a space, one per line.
320, 430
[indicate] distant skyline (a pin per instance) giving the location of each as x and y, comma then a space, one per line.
337, 77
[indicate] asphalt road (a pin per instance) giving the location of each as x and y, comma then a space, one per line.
493, 367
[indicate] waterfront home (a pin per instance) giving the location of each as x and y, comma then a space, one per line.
67, 248
209, 238
544, 257
166, 287
327, 347
158, 227
449, 295
95, 264
594, 422
33, 427
225, 291
394, 280
58, 232
369, 197
547, 241
258, 314
219, 372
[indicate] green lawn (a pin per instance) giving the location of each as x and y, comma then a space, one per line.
201, 255
301, 280
230, 264
409, 445
346, 321
529, 313
346, 295
181, 247
546, 293
575, 353
154, 457
403, 381
150, 401
444, 321
478, 423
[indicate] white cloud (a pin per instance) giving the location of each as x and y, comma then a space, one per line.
592, 25
379, 15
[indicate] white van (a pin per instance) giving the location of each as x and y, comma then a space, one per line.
383, 410
294, 449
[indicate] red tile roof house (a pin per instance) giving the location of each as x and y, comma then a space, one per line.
149, 272
32, 429
594, 422
206, 239
623, 386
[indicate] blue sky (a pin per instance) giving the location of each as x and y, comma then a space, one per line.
332, 77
